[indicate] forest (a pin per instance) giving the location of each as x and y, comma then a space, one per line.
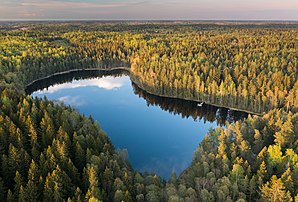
251, 69
49, 151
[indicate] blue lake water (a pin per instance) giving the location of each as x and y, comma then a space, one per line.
159, 134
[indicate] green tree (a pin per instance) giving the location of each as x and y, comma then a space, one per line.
275, 191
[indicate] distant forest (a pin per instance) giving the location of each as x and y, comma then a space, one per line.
49, 152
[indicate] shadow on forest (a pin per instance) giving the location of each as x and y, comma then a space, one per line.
187, 108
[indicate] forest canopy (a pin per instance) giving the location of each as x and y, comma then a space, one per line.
50, 152
248, 68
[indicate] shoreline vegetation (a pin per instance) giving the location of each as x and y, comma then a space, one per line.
176, 106
78, 70
249, 69
50, 152
140, 86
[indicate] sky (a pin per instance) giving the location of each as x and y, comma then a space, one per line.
150, 9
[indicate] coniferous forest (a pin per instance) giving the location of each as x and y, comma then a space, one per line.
50, 152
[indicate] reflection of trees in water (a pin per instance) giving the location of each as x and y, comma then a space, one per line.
175, 106
68, 77
190, 109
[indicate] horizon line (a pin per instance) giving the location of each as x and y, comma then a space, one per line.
151, 20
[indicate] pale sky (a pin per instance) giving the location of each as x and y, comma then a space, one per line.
150, 9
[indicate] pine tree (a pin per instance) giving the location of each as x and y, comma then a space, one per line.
10, 197
32, 188
18, 184
93, 190
275, 191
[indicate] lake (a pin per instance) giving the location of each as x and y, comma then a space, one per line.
160, 134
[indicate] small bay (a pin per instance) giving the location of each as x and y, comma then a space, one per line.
160, 134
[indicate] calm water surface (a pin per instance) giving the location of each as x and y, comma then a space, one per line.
160, 134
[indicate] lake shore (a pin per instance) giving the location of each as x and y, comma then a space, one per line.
78, 70
140, 86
